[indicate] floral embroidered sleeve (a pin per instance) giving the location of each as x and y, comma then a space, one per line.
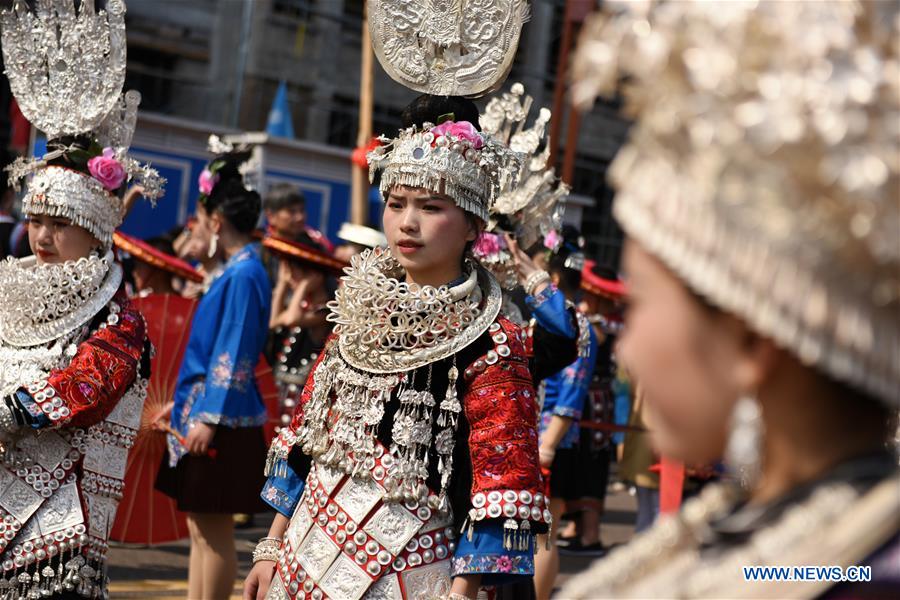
501, 408
573, 384
229, 396
566, 393
283, 488
103, 368
550, 312
485, 555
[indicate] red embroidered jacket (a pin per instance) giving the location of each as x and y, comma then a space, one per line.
103, 368
61, 481
500, 406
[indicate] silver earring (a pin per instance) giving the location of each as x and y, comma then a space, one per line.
743, 452
213, 245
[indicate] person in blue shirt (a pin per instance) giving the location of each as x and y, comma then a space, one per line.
216, 460
563, 377
564, 394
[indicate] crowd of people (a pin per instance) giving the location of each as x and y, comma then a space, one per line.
456, 387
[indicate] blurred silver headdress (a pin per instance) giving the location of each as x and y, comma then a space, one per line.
66, 69
764, 164
535, 205
246, 149
447, 47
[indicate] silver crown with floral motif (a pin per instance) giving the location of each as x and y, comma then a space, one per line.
451, 159
66, 69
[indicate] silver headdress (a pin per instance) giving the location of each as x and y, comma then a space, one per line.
447, 47
236, 157
764, 165
66, 69
248, 145
534, 206
450, 158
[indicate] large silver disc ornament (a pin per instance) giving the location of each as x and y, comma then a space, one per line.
447, 47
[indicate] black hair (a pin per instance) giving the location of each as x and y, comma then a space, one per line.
305, 240
503, 224
283, 195
429, 109
172, 234
75, 142
478, 225
569, 278
230, 198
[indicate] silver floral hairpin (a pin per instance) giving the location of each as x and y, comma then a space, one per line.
533, 206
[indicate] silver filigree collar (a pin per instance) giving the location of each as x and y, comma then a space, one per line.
385, 325
40, 303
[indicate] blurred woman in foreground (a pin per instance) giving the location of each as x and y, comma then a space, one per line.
759, 195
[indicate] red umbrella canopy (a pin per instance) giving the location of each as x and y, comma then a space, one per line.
146, 516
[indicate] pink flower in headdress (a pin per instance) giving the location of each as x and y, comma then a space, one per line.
488, 244
207, 181
552, 240
462, 130
107, 170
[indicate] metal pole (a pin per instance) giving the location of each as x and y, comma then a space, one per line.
359, 206
243, 48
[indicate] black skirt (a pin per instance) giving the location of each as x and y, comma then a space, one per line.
227, 484
564, 474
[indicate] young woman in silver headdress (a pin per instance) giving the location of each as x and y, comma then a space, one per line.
419, 418
759, 195
74, 358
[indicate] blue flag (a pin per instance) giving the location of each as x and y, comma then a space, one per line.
280, 123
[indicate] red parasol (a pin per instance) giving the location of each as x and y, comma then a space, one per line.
304, 254
146, 253
592, 283
146, 516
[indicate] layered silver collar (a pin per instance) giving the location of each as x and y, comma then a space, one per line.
385, 325
40, 303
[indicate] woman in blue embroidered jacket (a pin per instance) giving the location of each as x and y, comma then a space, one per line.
564, 377
414, 424
564, 396
218, 411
